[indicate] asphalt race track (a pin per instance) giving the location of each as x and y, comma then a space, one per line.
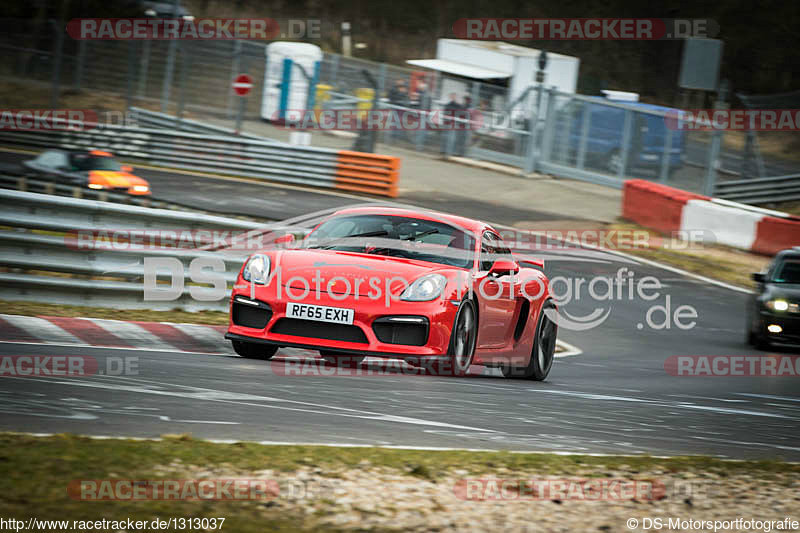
242, 197
615, 397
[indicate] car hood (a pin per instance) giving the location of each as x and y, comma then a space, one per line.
114, 178
296, 265
790, 291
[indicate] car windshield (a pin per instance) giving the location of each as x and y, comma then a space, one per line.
787, 272
93, 162
396, 236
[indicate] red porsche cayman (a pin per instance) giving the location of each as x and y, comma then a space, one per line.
398, 283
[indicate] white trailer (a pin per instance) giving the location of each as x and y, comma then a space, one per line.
497, 62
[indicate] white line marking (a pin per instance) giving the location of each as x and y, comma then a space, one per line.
41, 328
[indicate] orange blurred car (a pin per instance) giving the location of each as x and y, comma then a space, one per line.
94, 169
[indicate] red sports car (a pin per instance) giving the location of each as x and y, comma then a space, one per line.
416, 285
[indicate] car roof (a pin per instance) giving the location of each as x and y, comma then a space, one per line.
463, 222
791, 253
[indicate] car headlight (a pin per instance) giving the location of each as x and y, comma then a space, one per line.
95, 186
778, 305
257, 269
424, 289
141, 188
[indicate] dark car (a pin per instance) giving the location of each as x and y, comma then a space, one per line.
773, 313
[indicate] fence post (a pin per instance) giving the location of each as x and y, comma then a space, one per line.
57, 53
144, 64
585, 122
168, 68
186, 64
131, 74
334, 70
549, 126
716, 143
80, 62
665, 159
235, 66
627, 130
533, 127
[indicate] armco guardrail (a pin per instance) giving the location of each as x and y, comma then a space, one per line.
319, 167
760, 190
144, 118
42, 267
54, 213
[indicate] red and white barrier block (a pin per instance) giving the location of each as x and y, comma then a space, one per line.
670, 210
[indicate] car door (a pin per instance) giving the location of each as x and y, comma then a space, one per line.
496, 302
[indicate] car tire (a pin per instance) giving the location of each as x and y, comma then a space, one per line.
252, 350
542, 352
463, 339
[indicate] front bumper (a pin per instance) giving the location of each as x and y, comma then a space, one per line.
789, 323
263, 320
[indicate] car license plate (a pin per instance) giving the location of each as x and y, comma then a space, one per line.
320, 313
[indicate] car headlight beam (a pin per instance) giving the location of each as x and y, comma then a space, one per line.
778, 305
257, 269
425, 289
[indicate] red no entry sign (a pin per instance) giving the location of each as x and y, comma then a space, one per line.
242, 84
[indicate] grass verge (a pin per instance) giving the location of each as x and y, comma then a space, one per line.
713, 261
37, 471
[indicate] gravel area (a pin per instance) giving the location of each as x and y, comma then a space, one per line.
391, 499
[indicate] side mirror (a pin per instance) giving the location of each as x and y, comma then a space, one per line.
285, 239
758, 277
126, 168
503, 267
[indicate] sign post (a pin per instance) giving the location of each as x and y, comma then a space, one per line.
241, 86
